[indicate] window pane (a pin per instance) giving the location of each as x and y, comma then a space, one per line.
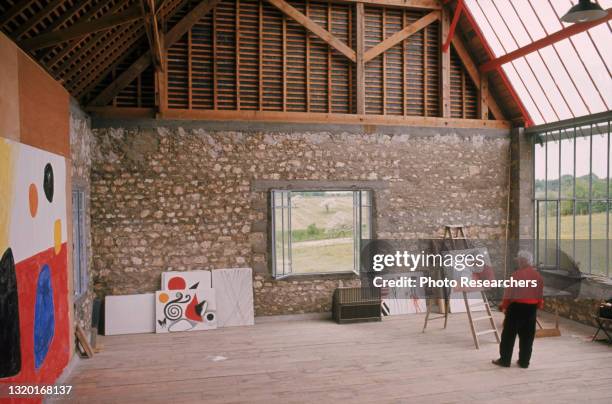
281, 232
540, 170
567, 167
599, 205
366, 214
552, 169
566, 229
322, 232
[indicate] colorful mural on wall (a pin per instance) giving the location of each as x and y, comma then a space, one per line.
34, 324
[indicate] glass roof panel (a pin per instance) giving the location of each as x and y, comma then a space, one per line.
568, 79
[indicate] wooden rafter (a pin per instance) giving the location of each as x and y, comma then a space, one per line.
31, 22
152, 30
472, 70
59, 55
413, 4
87, 47
401, 35
314, 28
167, 10
17, 8
81, 29
445, 67
125, 78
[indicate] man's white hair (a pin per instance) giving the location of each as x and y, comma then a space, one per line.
526, 255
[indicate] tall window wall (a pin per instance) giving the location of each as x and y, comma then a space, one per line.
573, 197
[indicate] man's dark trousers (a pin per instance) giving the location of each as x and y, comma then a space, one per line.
520, 319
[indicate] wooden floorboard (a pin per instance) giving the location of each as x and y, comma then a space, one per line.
317, 361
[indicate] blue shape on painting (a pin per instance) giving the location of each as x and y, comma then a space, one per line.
44, 319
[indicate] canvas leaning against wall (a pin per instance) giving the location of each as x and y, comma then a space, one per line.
34, 324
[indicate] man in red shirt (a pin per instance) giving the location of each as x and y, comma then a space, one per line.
520, 304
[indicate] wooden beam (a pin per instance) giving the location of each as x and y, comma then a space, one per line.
185, 24
453, 26
315, 28
81, 29
145, 60
32, 21
92, 41
472, 70
152, 31
412, 4
483, 97
161, 87
325, 118
360, 68
401, 35
541, 43
445, 91
17, 8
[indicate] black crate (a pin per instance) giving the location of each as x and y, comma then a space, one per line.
354, 305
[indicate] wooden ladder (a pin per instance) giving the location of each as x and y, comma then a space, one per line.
455, 234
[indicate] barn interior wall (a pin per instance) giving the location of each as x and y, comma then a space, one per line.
182, 197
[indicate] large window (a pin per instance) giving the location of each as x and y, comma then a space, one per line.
318, 232
573, 197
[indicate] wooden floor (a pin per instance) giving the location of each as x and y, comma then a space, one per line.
317, 361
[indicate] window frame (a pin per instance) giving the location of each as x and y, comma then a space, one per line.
587, 130
80, 261
358, 236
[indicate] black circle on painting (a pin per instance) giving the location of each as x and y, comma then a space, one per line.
48, 182
210, 316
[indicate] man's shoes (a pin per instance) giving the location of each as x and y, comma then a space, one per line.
521, 365
498, 362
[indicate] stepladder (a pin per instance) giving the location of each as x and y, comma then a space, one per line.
455, 238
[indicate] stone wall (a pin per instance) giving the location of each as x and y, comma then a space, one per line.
177, 198
82, 144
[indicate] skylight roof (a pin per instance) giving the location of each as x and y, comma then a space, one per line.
568, 79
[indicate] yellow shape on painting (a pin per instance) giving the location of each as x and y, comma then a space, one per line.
163, 297
57, 236
6, 192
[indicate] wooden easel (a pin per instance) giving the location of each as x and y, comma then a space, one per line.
454, 234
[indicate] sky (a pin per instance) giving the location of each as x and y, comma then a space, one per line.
601, 157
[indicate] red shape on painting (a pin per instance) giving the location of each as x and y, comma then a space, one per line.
190, 310
177, 283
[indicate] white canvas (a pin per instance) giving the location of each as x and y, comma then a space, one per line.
234, 288
129, 314
185, 310
403, 300
190, 279
30, 235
